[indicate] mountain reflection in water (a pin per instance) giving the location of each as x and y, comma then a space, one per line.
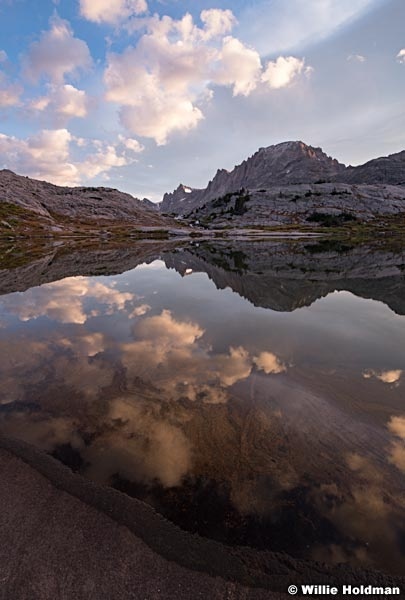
251, 393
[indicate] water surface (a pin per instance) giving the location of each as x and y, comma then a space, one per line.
253, 394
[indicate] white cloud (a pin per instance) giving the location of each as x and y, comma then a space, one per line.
111, 11
356, 58
217, 22
102, 161
239, 66
65, 101
283, 71
131, 144
43, 155
48, 155
158, 82
162, 83
296, 23
57, 53
9, 93
401, 56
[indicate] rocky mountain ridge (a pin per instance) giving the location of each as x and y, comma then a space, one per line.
286, 164
29, 204
317, 204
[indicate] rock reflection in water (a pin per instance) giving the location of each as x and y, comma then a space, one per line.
276, 422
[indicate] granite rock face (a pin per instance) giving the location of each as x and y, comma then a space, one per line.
180, 197
385, 170
328, 204
53, 206
286, 170
281, 164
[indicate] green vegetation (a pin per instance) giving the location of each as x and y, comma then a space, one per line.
331, 220
239, 207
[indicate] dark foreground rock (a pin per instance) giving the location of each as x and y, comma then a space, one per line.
57, 546
64, 537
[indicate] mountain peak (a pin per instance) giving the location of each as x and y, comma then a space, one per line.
287, 163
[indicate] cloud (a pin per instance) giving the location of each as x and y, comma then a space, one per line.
89, 344
233, 367
131, 144
139, 445
163, 83
401, 56
21, 364
44, 155
139, 311
296, 23
106, 157
397, 455
63, 301
238, 66
269, 363
160, 116
397, 426
356, 58
48, 155
9, 93
217, 22
65, 101
390, 377
283, 71
111, 11
171, 354
42, 432
57, 53
166, 329
84, 374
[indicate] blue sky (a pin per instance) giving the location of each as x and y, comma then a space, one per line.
141, 95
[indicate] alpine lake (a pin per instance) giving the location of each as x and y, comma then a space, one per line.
252, 392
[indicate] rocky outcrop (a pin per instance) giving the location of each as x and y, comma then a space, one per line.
386, 170
181, 197
281, 164
327, 204
288, 165
28, 204
94, 542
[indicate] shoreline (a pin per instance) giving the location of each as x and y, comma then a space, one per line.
239, 566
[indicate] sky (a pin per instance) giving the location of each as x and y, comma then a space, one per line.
141, 95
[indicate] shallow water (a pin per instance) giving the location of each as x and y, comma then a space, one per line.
253, 394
